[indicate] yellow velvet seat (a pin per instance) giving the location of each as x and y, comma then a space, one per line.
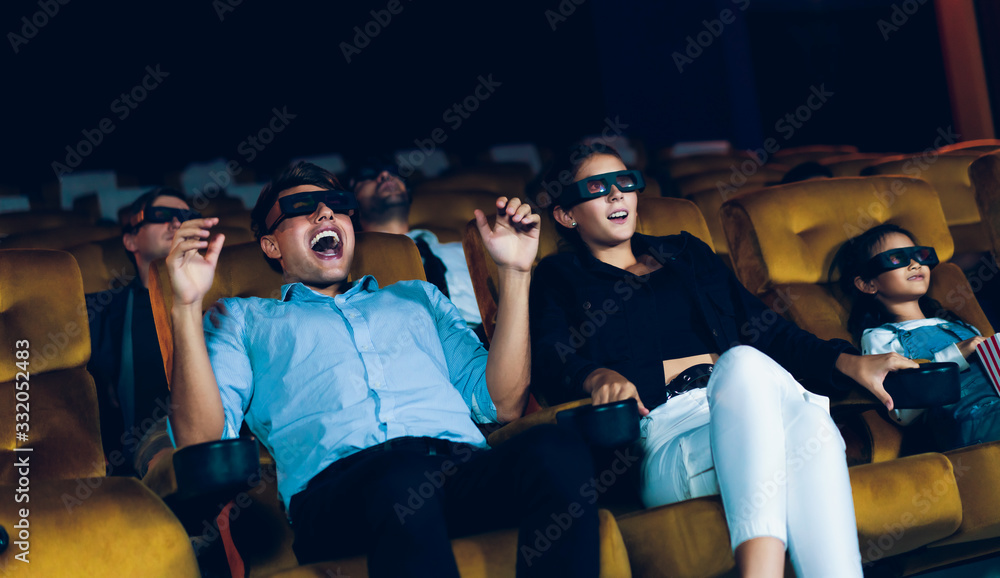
59, 238
265, 540
949, 175
983, 145
500, 182
793, 156
445, 212
784, 240
851, 165
14, 223
80, 522
677, 167
985, 175
729, 181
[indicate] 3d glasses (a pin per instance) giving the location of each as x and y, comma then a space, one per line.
306, 204
898, 258
161, 215
600, 185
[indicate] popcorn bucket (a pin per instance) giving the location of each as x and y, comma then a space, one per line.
989, 353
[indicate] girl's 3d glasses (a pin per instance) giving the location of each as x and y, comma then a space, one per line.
600, 185
161, 215
306, 204
898, 258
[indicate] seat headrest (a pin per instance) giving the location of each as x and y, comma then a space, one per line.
791, 233
41, 301
659, 216
948, 174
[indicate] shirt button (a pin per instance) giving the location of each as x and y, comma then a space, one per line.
715, 333
376, 384
364, 348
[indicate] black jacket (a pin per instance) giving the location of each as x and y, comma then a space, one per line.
586, 314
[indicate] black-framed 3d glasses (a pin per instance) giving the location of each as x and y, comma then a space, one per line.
899, 258
306, 204
600, 185
161, 215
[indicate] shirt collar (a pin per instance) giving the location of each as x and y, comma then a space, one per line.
299, 292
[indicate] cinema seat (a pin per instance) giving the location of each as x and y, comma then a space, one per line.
80, 523
499, 182
33, 221
59, 238
949, 175
445, 212
709, 202
797, 155
985, 175
851, 165
677, 167
264, 542
783, 241
731, 180
979, 145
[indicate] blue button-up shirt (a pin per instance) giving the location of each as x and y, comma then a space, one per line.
319, 378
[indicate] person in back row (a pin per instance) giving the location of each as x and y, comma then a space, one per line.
664, 321
125, 359
366, 395
385, 207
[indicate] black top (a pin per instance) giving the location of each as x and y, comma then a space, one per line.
586, 314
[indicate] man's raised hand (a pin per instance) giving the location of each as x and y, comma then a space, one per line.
191, 272
513, 241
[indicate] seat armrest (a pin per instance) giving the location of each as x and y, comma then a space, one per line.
546, 415
193, 480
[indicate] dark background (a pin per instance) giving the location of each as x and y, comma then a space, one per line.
605, 59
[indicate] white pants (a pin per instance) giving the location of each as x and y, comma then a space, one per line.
777, 460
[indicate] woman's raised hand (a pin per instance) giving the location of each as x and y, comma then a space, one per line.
606, 385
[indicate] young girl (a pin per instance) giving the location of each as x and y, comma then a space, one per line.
889, 275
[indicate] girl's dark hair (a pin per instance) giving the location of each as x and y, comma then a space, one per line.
867, 311
301, 173
546, 189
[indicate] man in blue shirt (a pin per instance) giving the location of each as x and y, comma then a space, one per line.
366, 396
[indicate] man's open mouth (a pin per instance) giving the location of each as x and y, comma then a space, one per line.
326, 243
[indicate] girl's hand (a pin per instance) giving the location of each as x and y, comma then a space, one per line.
968, 347
606, 385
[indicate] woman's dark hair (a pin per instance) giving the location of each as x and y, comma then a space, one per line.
301, 173
546, 189
867, 311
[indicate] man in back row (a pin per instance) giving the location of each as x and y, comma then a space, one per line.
364, 394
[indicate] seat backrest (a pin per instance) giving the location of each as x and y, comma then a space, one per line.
949, 175
242, 271
983, 144
445, 212
678, 167
660, 216
850, 165
709, 202
43, 313
985, 175
731, 180
783, 240
32, 221
793, 156
60, 238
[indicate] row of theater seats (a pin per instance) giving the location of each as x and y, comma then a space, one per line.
962, 521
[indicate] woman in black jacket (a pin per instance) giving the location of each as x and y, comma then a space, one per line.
664, 321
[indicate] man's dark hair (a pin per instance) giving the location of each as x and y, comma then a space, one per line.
301, 173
